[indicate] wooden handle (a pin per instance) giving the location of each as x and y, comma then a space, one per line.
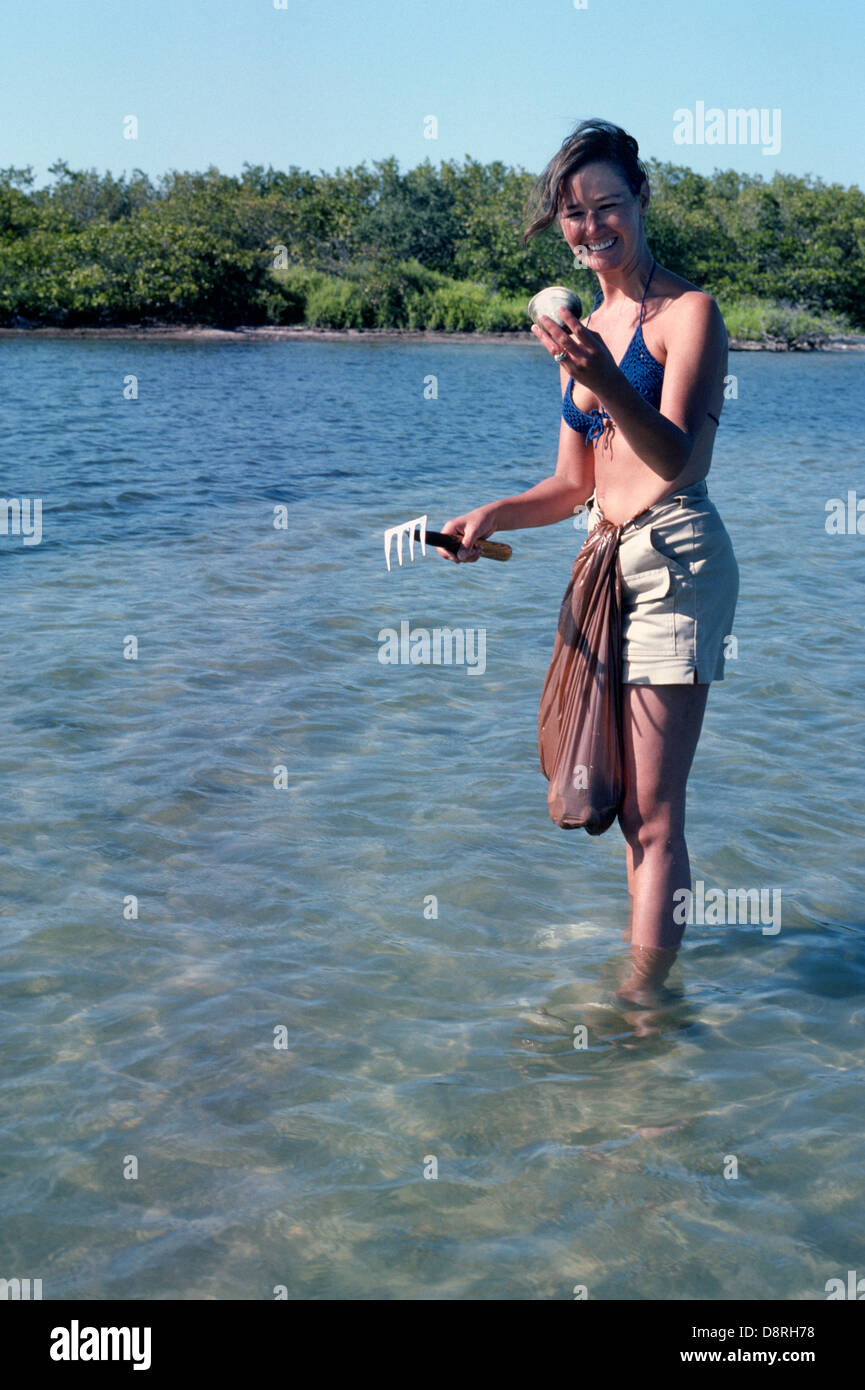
496, 550
492, 550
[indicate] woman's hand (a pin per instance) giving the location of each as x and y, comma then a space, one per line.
473, 527
587, 358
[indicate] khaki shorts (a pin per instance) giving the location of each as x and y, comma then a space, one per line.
680, 582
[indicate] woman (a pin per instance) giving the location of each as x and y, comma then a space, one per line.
642, 390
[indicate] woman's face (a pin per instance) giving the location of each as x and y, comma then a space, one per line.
601, 218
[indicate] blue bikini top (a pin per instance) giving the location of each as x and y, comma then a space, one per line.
642, 370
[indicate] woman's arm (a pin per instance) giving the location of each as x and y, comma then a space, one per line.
696, 343
664, 438
552, 499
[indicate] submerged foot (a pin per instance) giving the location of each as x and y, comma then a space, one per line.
646, 971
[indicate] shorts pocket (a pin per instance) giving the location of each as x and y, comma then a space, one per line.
667, 541
648, 610
648, 584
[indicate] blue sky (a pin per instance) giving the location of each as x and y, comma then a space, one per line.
325, 85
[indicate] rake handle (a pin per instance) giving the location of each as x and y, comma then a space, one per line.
491, 550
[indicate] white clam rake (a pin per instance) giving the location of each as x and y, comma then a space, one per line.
417, 530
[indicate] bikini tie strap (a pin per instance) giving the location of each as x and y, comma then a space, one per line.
599, 420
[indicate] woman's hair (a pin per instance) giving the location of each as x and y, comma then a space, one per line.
592, 140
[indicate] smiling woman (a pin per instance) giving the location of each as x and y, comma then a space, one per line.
642, 392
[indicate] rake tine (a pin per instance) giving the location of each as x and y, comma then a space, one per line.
399, 532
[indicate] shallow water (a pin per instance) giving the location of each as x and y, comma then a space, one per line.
308, 908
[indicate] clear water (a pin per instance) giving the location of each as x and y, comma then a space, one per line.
407, 1037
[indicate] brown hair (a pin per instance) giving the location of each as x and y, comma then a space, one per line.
592, 140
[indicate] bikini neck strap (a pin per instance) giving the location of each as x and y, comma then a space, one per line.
600, 294
645, 291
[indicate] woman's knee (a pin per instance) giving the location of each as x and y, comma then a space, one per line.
661, 828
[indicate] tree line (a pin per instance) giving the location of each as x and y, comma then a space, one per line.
374, 247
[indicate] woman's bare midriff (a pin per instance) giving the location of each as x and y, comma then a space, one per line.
625, 486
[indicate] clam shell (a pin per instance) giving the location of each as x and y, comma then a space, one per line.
550, 300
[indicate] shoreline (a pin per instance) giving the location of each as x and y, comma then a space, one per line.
290, 333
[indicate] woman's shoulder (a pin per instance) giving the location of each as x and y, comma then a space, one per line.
684, 302
679, 292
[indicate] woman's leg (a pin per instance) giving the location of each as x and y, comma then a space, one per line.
661, 726
629, 860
